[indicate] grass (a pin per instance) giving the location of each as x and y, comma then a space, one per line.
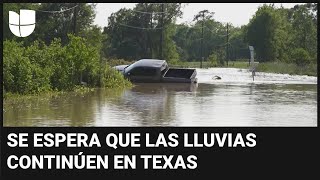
288, 68
206, 64
183, 64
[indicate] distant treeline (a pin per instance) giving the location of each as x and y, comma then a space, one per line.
277, 34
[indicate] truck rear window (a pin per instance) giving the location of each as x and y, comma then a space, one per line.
179, 73
143, 71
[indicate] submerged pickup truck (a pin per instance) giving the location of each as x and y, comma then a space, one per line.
154, 71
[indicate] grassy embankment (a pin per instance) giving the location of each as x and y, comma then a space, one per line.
271, 67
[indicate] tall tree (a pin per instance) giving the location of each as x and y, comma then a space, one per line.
261, 33
16, 8
135, 33
304, 21
50, 23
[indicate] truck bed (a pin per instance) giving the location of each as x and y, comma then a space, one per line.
176, 75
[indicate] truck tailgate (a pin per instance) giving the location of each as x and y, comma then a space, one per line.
177, 75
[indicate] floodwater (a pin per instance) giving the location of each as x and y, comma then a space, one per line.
235, 100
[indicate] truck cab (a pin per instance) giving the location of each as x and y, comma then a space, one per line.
146, 70
154, 70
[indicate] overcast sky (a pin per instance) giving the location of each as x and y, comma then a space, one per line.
236, 13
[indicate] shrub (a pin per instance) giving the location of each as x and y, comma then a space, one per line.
213, 59
300, 57
111, 78
17, 76
38, 68
116, 62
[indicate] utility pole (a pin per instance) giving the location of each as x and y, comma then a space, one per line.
202, 40
75, 32
150, 39
161, 34
227, 53
146, 31
75, 14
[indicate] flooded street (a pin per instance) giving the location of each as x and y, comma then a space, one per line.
235, 100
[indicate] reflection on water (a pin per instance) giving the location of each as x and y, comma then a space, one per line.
208, 103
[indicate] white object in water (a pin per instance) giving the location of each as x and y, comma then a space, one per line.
216, 77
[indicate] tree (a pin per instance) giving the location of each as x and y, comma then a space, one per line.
275, 32
205, 14
304, 21
59, 25
238, 45
188, 38
51, 25
136, 33
261, 33
300, 57
7, 35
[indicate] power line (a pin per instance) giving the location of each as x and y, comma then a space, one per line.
61, 11
138, 27
193, 40
208, 30
196, 27
222, 45
186, 38
215, 33
144, 12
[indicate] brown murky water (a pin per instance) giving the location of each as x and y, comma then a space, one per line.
272, 100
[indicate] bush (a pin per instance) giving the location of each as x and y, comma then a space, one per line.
17, 69
11, 52
38, 68
116, 62
213, 60
300, 57
111, 78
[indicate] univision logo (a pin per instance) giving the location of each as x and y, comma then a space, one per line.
22, 25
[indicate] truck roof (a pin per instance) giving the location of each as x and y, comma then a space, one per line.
157, 63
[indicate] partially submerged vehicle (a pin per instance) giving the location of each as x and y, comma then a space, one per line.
156, 71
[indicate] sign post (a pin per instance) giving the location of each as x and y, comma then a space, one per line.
252, 66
